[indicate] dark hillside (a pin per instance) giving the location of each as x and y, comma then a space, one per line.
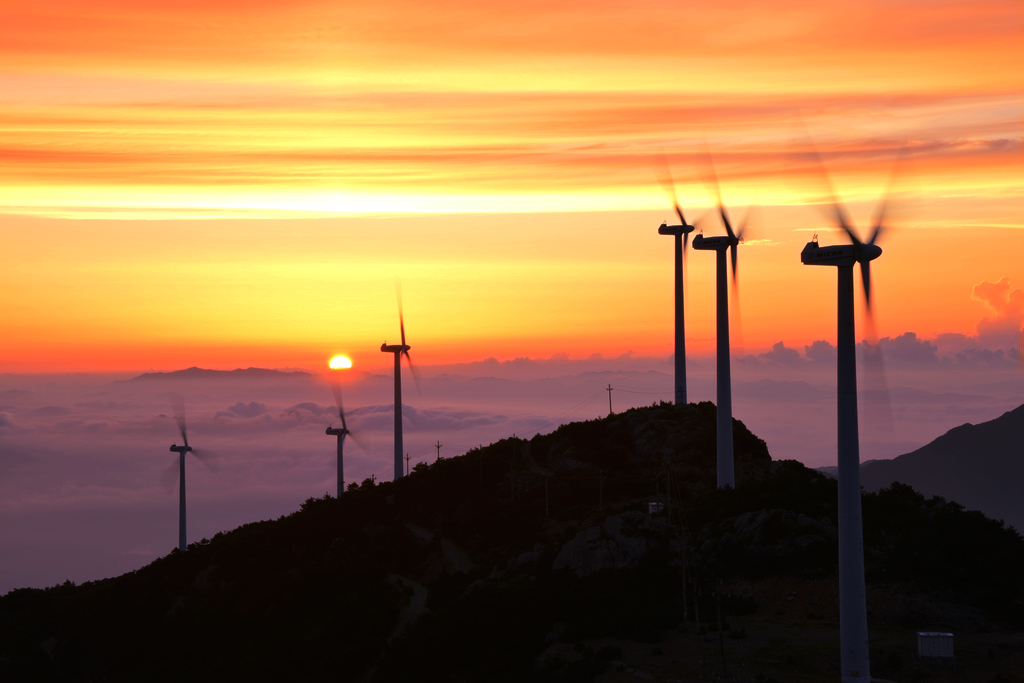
523, 560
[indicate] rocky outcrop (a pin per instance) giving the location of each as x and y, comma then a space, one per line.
762, 541
620, 542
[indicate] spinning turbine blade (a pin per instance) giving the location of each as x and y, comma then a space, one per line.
844, 224
875, 399
178, 404
669, 185
207, 458
885, 206
336, 388
736, 321
740, 233
865, 273
725, 221
710, 178
877, 227
836, 210
733, 256
743, 225
877, 232
401, 317
401, 325
169, 477
351, 436
413, 371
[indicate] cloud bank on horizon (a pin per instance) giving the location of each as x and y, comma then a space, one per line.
82, 458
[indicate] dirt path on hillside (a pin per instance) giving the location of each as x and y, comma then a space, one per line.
416, 607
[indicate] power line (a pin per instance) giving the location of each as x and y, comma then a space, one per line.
580, 406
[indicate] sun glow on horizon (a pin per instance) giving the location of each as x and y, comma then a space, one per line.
340, 363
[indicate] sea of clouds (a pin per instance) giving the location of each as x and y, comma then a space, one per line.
88, 484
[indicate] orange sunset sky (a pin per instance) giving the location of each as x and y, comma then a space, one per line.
226, 183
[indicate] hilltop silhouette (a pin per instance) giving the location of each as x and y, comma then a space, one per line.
544, 559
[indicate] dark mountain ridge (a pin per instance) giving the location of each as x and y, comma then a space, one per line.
195, 373
979, 466
540, 560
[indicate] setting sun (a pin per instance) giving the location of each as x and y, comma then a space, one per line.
340, 362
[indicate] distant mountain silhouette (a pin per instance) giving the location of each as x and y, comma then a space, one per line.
979, 466
202, 373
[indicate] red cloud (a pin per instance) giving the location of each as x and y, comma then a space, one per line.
1008, 304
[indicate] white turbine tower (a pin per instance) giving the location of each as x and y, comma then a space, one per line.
853, 621
720, 244
177, 470
399, 350
682, 237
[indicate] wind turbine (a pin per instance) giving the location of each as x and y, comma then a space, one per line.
169, 475
341, 434
720, 244
399, 350
853, 621
682, 234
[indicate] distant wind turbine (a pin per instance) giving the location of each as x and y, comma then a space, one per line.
853, 622
399, 350
341, 434
171, 475
682, 237
720, 244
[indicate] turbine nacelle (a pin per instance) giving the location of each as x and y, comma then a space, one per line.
838, 255
331, 431
394, 348
180, 449
716, 243
676, 230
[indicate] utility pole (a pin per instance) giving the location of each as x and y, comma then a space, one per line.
407, 464
609, 390
438, 447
